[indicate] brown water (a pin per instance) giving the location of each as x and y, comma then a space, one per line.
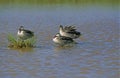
95, 56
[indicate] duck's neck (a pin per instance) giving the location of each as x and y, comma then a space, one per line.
61, 29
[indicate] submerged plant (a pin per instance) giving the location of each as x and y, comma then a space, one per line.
18, 43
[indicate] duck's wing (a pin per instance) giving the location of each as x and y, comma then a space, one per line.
74, 32
29, 32
66, 38
69, 28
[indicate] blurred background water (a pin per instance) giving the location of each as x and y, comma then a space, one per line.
95, 56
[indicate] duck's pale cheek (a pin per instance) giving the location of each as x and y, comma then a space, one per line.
55, 40
20, 33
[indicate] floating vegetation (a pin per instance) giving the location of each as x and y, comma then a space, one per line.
18, 43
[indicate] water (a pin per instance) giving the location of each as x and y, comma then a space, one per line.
95, 56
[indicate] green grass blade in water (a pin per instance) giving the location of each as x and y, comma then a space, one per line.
14, 43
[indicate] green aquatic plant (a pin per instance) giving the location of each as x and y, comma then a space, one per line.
18, 43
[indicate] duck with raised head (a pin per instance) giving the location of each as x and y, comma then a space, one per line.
69, 31
24, 34
62, 40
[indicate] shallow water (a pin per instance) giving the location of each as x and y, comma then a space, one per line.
95, 56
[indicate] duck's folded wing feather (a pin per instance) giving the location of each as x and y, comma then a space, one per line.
69, 28
66, 38
74, 32
30, 32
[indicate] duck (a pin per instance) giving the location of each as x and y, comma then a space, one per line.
62, 40
24, 34
69, 31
